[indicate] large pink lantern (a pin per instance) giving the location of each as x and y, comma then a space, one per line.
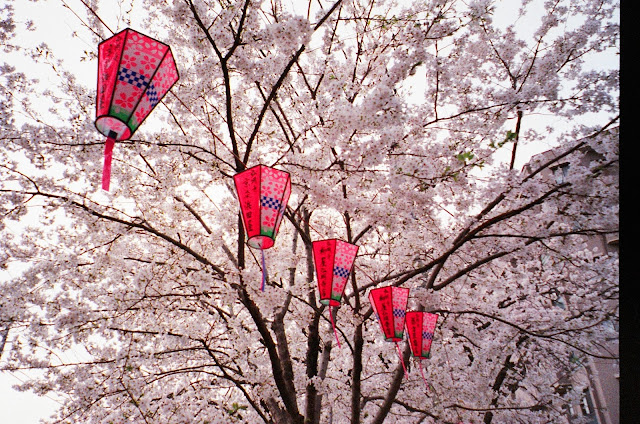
263, 194
421, 327
134, 74
334, 260
390, 305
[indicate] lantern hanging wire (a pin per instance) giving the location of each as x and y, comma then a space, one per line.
134, 74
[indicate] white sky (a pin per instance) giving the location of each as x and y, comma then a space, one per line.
54, 25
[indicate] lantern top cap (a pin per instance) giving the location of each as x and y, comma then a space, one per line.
333, 239
259, 166
136, 32
388, 287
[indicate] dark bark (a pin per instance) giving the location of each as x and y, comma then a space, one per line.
502, 374
356, 379
396, 382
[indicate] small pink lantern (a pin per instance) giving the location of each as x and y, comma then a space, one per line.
390, 305
263, 194
420, 330
134, 74
334, 261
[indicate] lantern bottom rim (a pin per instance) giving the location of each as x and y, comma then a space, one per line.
330, 302
260, 242
108, 123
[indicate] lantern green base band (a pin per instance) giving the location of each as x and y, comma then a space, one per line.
334, 301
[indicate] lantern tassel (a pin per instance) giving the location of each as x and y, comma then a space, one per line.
264, 271
422, 373
402, 360
108, 154
333, 325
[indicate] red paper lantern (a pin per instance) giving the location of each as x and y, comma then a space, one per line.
134, 74
390, 305
263, 193
334, 261
420, 329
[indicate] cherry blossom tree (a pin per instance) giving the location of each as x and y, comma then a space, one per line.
401, 125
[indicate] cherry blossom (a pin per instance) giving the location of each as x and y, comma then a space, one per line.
404, 126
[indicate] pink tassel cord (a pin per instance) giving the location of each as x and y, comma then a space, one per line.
106, 168
402, 360
422, 373
264, 271
335, 333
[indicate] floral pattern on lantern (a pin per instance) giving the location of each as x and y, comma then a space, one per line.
420, 330
263, 194
390, 305
333, 260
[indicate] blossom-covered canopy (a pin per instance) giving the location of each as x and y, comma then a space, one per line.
263, 194
420, 329
333, 260
390, 305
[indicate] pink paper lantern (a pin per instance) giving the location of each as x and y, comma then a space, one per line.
420, 329
134, 74
390, 305
263, 193
334, 260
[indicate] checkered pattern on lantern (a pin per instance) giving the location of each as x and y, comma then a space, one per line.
132, 77
152, 94
270, 202
427, 336
340, 272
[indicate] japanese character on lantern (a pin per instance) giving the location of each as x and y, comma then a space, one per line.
333, 261
134, 73
263, 193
